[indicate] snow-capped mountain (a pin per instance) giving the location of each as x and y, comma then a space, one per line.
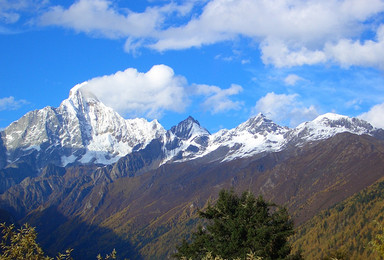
328, 125
260, 135
82, 130
185, 140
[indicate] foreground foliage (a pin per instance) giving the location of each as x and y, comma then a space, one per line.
209, 256
20, 244
237, 226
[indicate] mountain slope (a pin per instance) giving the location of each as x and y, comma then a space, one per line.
153, 210
82, 169
347, 227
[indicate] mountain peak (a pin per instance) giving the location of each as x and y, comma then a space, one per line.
351, 124
80, 96
330, 124
330, 116
81, 130
192, 120
188, 128
258, 124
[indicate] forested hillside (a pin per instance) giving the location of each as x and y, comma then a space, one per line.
347, 228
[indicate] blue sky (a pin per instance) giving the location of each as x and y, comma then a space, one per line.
220, 61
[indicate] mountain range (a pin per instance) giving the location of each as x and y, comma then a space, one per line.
93, 181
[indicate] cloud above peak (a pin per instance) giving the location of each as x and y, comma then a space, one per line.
149, 94
375, 116
285, 109
134, 93
217, 99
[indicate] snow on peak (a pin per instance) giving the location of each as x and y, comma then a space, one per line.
76, 89
188, 128
260, 124
82, 129
184, 141
330, 124
329, 116
80, 97
84, 126
259, 134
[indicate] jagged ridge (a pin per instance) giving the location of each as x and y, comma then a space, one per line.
82, 130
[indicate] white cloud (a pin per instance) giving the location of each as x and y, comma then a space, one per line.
355, 104
9, 17
99, 17
11, 10
9, 103
369, 53
289, 32
217, 99
150, 94
375, 116
285, 109
279, 54
292, 79
135, 93
308, 22
103, 18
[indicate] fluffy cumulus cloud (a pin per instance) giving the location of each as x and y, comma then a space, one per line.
369, 53
135, 93
150, 94
10, 103
104, 19
217, 99
288, 32
280, 54
375, 116
285, 109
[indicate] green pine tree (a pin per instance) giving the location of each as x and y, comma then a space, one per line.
238, 226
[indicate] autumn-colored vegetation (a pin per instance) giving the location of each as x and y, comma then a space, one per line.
20, 244
249, 228
346, 230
